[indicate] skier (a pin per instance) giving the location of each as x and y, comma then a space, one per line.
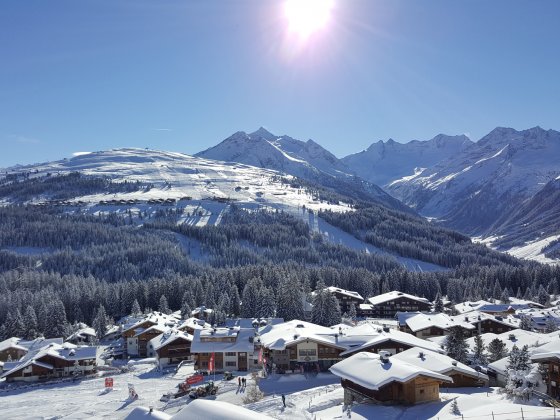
239, 380
284, 400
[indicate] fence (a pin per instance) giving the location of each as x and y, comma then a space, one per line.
524, 413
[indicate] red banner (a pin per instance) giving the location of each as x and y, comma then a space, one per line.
108, 382
261, 355
211, 363
194, 379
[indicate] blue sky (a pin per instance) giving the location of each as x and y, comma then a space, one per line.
184, 75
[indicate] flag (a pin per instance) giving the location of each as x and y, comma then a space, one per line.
211, 363
261, 355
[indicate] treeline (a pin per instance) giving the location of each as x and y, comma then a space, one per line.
19, 189
413, 237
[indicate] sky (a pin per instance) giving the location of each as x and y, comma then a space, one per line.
87, 75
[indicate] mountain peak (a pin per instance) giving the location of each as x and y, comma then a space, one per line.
263, 133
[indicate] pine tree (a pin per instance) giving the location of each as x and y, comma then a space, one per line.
542, 296
456, 344
496, 350
14, 324
135, 311
289, 300
479, 351
504, 298
438, 304
326, 310
57, 324
163, 306
266, 303
250, 302
519, 295
30, 323
352, 312
100, 322
550, 325
525, 323
497, 292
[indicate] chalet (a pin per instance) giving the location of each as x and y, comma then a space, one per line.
233, 348
52, 361
190, 325
376, 339
541, 319
171, 347
202, 312
255, 323
300, 345
425, 325
384, 379
83, 336
485, 323
501, 309
345, 298
136, 336
549, 357
462, 375
388, 304
15, 348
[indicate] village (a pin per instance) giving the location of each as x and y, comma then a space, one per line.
393, 355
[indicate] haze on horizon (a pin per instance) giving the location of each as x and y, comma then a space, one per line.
182, 76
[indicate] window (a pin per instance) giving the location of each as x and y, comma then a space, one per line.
555, 368
307, 352
231, 364
421, 391
230, 353
204, 364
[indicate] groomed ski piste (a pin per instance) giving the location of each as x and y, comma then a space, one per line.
307, 397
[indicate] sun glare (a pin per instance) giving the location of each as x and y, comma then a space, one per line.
307, 16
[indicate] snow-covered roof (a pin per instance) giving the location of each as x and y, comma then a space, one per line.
529, 303
153, 328
202, 309
29, 345
208, 340
194, 323
156, 318
250, 322
217, 410
418, 321
143, 413
169, 337
82, 334
370, 371
349, 293
474, 317
11, 343
277, 337
386, 297
437, 362
547, 351
470, 306
500, 307
367, 335
517, 337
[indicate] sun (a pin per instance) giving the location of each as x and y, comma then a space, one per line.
307, 16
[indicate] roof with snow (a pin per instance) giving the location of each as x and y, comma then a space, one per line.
437, 362
202, 309
547, 351
277, 337
169, 337
209, 340
517, 337
251, 322
156, 318
66, 351
143, 413
217, 410
418, 321
82, 334
349, 293
386, 297
474, 317
370, 371
470, 306
366, 335
194, 323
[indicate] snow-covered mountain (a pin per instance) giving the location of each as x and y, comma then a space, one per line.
384, 162
306, 160
478, 189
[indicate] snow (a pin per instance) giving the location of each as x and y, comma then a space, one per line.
386, 297
217, 410
533, 250
370, 371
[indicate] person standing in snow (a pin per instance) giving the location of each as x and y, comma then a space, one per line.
239, 380
284, 400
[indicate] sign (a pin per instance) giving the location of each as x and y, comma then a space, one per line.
108, 382
194, 379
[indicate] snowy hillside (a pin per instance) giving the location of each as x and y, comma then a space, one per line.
384, 162
177, 176
306, 160
484, 184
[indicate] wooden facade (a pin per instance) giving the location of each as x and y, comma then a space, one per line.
174, 352
306, 355
60, 368
12, 353
390, 346
417, 390
345, 300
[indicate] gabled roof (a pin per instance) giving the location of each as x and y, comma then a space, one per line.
386, 297
475, 317
153, 328
169, 337
82, 334
437, 362
28, 345
243, 340
251, 322
11, 343
368, 370
277, 337
368, 335
156, 318
418, 321
349, 293
194, 323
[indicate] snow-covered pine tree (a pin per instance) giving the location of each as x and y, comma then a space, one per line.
163, 306
135, 310
30, 323
438, 303
479, 351
504, 298
550, 325
525, 323
456, 344
326, 310
57, 324
352, 312
266, 303
497, 292
100, 322
496, 350
289, 300
235, 300
250, 299
542, 296
14, 326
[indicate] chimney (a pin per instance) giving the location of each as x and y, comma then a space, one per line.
421, 355
454, 362
384, 356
